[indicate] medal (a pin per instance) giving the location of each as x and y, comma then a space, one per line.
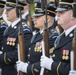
67, 58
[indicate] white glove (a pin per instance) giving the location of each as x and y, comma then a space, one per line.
1, 52
21, 66
72, 72
46, 62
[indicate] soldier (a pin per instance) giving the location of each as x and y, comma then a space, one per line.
26, 11
26, 14
10, 40
3, 24
59, 63
32, 66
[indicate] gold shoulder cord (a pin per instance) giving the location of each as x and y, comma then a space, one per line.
5, 58
58, 68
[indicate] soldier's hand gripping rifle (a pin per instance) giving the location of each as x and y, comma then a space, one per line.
73, 52
45, 42
21, 53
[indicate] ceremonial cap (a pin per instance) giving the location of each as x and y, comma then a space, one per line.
65, 5
12, 4
39, 12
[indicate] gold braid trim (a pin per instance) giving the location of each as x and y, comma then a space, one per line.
13, 3
38, 9
58, 68
10, 3
65, 3
5, 58
2, 4
47, 10
51, 11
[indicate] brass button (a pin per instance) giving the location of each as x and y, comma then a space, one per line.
28, 62
28, 55
2, 48
29, 48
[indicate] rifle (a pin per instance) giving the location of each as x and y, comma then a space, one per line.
74, 8
45, 38
45, 33
31, 7
46, 44
21, 53
73, 52
56, 3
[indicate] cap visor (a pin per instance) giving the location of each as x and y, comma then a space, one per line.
60, 9
35, 15
6, 7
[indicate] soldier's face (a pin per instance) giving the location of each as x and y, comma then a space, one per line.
39, 22
64, 18
11, 14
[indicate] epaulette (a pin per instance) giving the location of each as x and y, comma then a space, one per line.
51, 50
2, 22
24, 24
53, 31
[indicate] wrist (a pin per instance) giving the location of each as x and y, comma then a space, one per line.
51, 64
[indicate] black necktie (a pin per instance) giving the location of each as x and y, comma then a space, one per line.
34, 36
62, 37
7, 30
59, 39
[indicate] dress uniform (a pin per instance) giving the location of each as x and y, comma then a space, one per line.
32, 66
35, 49
61, 54
9, 45
25, 14
3, 24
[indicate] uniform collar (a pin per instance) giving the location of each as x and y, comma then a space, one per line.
41, 32
25, 14
69, 30
0, 16
15, 22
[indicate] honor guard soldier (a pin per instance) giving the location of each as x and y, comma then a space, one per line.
3, 24
9, 54
27, 14
59, 62
32, 66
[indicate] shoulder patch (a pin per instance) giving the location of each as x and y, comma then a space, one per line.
24, 24
3, 22
55, 36
53, 31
